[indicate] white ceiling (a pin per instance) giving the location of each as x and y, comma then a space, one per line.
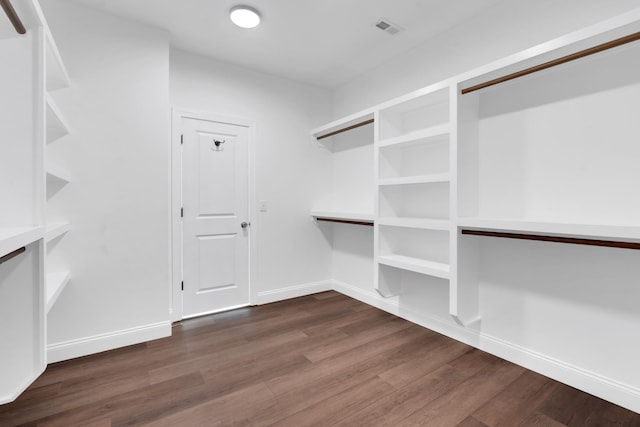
321, 42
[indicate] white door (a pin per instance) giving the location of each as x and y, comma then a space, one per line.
215, 217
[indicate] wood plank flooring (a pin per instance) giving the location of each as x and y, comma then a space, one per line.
323, 360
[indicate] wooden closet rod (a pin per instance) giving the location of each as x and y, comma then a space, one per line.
345, 221
572, 57
13, 254
555, 239
13, 16
335, 132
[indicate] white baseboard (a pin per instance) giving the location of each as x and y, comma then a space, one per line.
99, 343
598, 385
292, 292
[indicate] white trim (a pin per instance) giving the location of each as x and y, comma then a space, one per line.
177, 114
295, 291
582, 379
25, 385
109, 341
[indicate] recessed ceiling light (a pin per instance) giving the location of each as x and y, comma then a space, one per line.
245, 16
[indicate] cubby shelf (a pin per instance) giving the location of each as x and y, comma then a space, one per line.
587, 231
55, 283
56, 124
55, 230
12, 238
430, 268
434, 133
421, 179
427, 224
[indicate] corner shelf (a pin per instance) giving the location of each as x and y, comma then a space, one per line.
430, 268
55, 283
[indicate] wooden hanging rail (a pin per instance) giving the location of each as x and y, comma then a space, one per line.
345, 221
13, 254
13, 16
554, 239
335, 132
572, 57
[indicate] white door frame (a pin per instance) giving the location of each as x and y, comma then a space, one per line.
177, 114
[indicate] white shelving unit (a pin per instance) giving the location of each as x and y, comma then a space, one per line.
31, 124
22, 197
57, 79
412, 160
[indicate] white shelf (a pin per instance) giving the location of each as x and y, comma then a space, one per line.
55, 283
421, 179
343, 216
430, 268
56, 172
434, 133
422, 223
57, 76
589, 231
56, 124
343, 123
57, 229
12, 238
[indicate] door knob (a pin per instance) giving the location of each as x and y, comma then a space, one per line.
245, 224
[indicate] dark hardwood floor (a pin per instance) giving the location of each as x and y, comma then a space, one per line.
325, 359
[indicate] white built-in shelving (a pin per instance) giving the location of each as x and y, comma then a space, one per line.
31, 70
58, 176
22, 195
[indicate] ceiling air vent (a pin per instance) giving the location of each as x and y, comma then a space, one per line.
388, 27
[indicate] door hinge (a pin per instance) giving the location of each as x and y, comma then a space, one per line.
181, 139
181, 212
182, 286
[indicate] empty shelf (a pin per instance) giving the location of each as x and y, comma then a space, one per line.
344, 217
12, 238
435, 133
627, 233
420, 179
430, 268
55, 283
427, 224
350, 122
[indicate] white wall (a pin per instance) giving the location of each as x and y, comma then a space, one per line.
293, 253
506, 28
118, 200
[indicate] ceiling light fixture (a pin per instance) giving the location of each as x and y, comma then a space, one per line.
245, 16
